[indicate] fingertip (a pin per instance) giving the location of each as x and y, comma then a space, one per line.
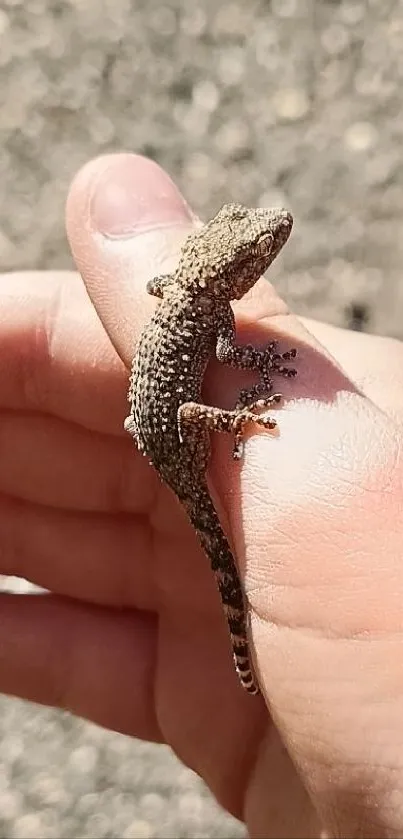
122, 194
86, 174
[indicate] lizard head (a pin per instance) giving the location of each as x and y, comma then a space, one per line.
228, 255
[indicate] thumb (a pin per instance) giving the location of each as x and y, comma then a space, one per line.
126, 221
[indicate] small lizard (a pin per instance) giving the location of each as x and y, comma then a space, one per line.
169, 422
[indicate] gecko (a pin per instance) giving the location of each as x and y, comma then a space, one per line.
168, 420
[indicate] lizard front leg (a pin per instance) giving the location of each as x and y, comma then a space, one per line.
247, 357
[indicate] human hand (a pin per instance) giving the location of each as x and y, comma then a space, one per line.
132, 634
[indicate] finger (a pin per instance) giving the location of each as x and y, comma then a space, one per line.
110, 560
100, 559
49, 461
56, 357
85, 659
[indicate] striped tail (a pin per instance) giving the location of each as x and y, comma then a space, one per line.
204, 518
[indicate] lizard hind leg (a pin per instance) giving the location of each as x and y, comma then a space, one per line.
193, 415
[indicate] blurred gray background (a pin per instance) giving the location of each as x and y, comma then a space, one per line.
294, 102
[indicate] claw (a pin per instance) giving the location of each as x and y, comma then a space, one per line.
289, 354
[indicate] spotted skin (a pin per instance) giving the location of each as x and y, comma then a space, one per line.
168, 420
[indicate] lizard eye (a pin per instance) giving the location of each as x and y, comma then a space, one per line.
234, 212
239, 214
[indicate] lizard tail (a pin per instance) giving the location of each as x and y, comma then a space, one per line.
205, 520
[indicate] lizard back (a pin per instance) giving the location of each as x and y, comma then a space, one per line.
168, 370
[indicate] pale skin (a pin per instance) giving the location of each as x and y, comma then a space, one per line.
132, 626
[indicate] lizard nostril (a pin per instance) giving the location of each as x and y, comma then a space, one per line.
286, 219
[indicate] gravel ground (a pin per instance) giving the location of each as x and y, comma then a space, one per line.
289, 101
